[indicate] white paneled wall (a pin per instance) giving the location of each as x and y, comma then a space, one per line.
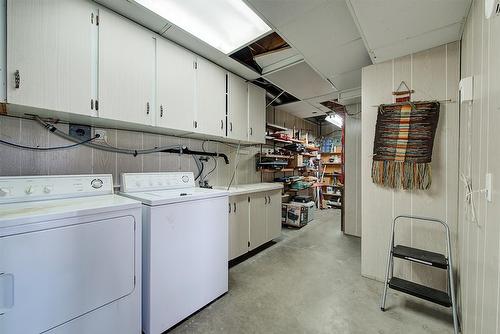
479, 238
352, 167
434, 75
84, 160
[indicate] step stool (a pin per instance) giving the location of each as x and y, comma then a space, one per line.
444, 298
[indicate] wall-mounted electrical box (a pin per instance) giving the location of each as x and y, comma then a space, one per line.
466, 88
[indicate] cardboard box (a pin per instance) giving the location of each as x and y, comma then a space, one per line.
294, 214
310, 207
297, 161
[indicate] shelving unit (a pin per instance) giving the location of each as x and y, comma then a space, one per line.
333, 171
290, 170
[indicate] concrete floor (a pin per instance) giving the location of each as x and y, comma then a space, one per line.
310, 282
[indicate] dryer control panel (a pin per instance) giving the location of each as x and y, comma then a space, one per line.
132, 182
31, 188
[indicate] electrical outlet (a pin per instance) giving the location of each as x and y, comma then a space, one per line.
80, 132
101, 133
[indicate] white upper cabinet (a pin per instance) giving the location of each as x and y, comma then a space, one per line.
256, 114
210, 99
238, 108
74, 57
127, 70
49, 59
176, 80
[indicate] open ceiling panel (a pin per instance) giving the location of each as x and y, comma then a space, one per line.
323, 32
275, 96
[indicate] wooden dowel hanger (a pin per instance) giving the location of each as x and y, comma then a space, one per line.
413, 102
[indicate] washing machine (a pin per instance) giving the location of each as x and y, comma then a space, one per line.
70, 256
185, 237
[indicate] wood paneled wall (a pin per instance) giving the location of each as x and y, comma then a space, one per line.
434, 75
352, 167
479, 239
282, 118
85, 160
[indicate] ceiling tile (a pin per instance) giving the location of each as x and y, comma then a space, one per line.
300, 109
341, 59
280, 12
301, 81
272, 58
326, 26
411, 25
426, 41
347, 80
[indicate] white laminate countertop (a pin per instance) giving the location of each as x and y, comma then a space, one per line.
251, 188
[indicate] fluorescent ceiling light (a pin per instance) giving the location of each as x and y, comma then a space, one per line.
224, 24
335, 119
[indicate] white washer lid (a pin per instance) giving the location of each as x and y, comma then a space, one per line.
162, 197
13, 214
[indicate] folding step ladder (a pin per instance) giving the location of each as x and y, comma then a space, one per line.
444, 298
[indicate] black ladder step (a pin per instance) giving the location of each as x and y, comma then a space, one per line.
420, 291
420, 256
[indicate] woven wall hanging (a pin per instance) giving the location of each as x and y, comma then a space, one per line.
404, 138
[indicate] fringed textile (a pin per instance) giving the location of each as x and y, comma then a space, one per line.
404, 139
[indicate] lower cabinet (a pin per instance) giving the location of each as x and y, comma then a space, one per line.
273, 214
239, 232
258, 223
254, 219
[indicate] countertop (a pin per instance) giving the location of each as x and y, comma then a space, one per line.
251, 188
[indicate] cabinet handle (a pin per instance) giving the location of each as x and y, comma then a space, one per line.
91, 104
195, 124
265, 200
234, 204
231, 126
229, 207
17, 79
251, 131
269, 199
147, 108
161, 110
221, 124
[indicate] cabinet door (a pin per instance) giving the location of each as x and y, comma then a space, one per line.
273, 214
126, 70
256, 114
238, 108
210, 98
258, 226
239, 229
49, 43
176, 86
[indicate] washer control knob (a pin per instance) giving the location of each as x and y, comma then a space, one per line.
185, 178
29, 190
47, 189
4, 192
138, 183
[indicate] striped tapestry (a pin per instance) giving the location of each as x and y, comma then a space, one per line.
404, 138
